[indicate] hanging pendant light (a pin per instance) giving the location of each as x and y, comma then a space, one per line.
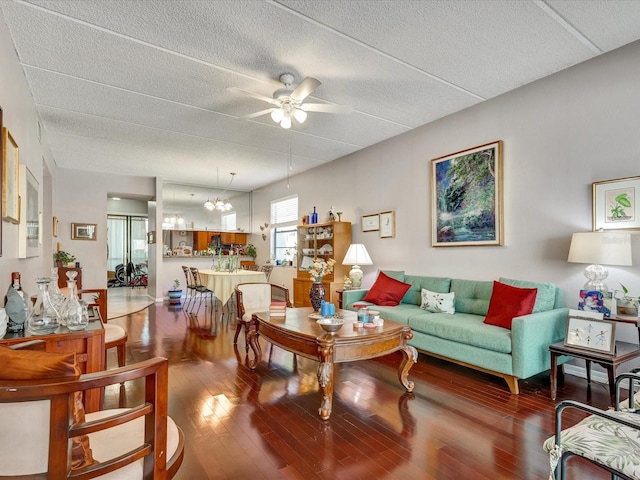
218, 203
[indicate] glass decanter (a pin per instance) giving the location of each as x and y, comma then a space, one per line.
55, 294
72, 312
43, 318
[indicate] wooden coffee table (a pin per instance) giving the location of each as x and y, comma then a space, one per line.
299, 334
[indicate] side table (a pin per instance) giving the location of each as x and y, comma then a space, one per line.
623, 353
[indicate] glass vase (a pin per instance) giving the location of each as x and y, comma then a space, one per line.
72, 312
44, 318
55, 294
316, 295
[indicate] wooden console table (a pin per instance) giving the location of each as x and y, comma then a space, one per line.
87, 344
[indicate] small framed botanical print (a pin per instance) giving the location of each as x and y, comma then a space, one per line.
371, 223
387, 224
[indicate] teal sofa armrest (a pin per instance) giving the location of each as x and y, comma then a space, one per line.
349, 297
531, 336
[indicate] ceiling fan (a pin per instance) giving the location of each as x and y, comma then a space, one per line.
288, 102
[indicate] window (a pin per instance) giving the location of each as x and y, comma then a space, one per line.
229, 222
284, 217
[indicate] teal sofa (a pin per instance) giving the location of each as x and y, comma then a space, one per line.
463, 338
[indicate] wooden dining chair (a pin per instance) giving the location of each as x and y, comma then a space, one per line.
57, 440
252, 297
114, 335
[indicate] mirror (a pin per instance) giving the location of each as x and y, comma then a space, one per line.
187, 202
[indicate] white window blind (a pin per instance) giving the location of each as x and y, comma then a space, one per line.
284, 210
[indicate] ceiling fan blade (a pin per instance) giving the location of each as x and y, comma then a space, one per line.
258, 114
306, 87
326, 108
251, 94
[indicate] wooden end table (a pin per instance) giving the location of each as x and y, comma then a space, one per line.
301, 335
623, 353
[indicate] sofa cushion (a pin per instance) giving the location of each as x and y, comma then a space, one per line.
472, 296
417, 282
508, 302
435, 302
395, 274
463, 328
399, 313
546, 298
386, 291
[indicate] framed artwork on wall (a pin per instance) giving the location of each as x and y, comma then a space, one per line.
387, 224
467, 198
83, 231
615, 204
371, 223
29, 229
10, 171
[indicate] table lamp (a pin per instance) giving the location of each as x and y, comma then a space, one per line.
597, 249
356, 255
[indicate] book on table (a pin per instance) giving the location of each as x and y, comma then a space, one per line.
278, 309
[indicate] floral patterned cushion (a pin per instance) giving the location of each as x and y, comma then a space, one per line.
603, 441
437, 302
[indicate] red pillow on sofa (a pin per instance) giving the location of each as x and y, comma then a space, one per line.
386, 291
508, 302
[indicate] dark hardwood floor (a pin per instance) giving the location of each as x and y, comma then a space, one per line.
263, 424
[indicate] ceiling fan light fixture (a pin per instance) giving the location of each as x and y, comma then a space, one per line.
277, 115
286, 122
300, 115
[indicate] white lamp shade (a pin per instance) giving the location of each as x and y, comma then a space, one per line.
601, 248
357, 255
277, 115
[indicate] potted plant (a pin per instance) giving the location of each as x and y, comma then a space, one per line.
63, 259
626, 304
175, 294
251, 251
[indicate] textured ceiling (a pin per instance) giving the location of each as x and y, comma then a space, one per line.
140, 87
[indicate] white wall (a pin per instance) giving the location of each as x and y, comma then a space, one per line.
81, 197
20, 117
560, 134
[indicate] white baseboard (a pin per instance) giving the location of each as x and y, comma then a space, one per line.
599, 376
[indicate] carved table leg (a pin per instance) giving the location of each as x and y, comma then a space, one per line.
253, 342
410, 356
325, 375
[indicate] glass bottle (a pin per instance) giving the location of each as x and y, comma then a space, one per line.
17, 312
44, 318
314, 216
55, 294
72, 313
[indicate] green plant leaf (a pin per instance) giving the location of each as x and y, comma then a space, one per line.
623, 200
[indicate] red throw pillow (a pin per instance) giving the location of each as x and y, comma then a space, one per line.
508, 302
386, 291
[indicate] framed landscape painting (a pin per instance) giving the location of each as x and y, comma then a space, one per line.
615, 204
466, 197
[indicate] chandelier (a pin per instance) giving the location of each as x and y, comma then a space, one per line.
174, 219
218, 203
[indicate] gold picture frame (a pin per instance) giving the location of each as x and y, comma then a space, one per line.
467, 197
83, 231
371, 223
10, 176
387, 224
614, 204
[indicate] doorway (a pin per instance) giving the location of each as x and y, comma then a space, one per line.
126, 241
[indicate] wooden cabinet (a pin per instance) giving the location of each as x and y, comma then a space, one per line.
62, 277
201, 240
325, 241
232, 238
